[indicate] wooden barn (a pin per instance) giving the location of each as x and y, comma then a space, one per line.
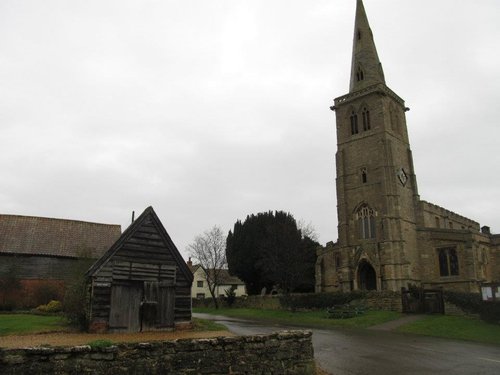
141, 283
38, 255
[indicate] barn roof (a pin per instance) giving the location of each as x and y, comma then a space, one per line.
148, 214
55, 237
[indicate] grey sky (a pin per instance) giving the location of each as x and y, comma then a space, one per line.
212, 110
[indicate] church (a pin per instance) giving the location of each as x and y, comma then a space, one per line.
389, 238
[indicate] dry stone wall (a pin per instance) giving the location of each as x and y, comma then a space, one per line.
281, 353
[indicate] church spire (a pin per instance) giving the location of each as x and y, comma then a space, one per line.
366, 69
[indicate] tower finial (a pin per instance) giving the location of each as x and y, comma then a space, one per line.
366, 68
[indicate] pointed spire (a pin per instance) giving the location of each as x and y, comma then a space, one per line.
366, 69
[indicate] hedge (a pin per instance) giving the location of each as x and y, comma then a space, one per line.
319, 300
473, 304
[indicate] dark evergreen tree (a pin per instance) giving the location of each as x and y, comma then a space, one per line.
268, 250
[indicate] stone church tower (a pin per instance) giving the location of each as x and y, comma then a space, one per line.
381, 219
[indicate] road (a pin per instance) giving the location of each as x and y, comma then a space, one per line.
370, 352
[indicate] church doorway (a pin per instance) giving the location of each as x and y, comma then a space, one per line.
367, 278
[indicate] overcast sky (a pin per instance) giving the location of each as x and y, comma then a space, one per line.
213, 110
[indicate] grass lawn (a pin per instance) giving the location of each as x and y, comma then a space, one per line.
12, 324
454, 327
207, 325
309, 318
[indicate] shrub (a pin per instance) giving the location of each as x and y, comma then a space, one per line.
472, 303
75, 304
230, 296
51, 307
77, 293
45, 292
99, 344
490, 312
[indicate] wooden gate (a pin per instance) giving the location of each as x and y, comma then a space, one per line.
419, 301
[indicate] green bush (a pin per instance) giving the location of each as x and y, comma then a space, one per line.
99, 344
490, 312
75, 304
319, 300
44, 293
230, 296
472, 303
51, 307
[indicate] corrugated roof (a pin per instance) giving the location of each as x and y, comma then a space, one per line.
56, 237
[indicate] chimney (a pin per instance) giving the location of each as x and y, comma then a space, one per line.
190, 263
486, 230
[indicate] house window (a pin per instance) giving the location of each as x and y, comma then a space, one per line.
200, 295
448, 261
366, 119
354, 123
199, 284
366, 222
364, 177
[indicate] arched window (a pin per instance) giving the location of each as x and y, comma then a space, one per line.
364, 176
366, 222
354, 123
360, 76
448, 261
366, 119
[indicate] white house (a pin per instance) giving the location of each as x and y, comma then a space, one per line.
200, 287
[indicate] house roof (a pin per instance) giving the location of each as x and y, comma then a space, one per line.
55, 237
148, 214
225, 276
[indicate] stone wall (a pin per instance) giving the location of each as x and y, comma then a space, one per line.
384, 300
286, 352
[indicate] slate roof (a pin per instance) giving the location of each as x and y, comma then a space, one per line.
55, 237
225, 277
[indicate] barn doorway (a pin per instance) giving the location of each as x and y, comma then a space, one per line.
142, 306
124, 315
367, 278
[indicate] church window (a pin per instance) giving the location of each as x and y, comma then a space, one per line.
359, 34
437, 222
337, 261
366, 119
354, 123
448, 261
451, 225
364, 177
360, 76
366, 222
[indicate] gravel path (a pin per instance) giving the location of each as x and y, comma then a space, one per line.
72, 339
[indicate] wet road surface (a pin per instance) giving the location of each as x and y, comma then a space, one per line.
371, 352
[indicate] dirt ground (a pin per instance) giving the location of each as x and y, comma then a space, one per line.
73, 339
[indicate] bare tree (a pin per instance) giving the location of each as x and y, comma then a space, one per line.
307, 230
209, 251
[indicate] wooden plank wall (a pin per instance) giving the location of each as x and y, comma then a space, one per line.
36, 267
144, 257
